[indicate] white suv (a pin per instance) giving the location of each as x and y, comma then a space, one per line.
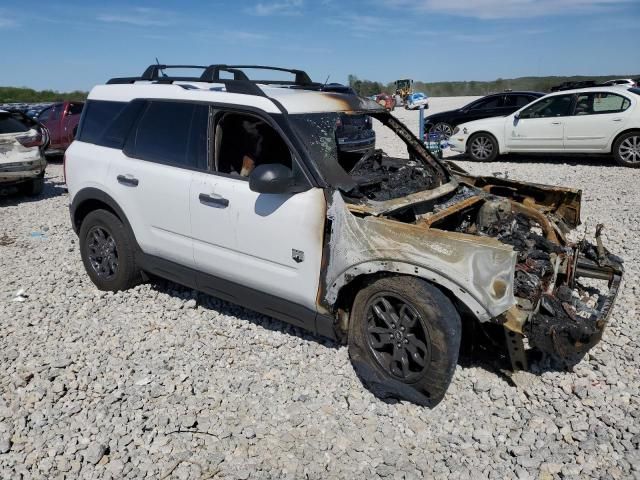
238, 188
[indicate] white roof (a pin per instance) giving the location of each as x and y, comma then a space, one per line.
293, 100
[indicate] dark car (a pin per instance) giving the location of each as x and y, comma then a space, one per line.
574, 85
354, 133
494, 105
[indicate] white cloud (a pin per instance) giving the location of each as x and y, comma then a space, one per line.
494, 9
140, 17
282, 7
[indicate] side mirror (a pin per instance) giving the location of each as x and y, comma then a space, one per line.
271, 178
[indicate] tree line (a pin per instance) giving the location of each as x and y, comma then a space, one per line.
368, 88
29, 95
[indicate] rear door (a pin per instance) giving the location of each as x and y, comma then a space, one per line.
151, 177
271, 243
540, 126
598, 117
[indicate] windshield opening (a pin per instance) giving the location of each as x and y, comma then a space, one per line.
368, 156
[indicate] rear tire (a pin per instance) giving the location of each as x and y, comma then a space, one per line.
107, 251
404, 339
626, 150
482, 147
444, 129
33, 187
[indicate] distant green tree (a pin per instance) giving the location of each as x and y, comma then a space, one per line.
29, 95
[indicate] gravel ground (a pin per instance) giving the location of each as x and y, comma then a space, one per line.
163, 382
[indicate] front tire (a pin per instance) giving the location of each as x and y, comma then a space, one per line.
626, 150
107, 252
404, 339
483, 147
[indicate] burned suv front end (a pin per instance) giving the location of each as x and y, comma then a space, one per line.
503, 250
564, 289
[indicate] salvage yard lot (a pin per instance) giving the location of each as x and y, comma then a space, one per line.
164, 382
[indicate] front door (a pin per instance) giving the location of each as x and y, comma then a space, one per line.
540, 126
271, 243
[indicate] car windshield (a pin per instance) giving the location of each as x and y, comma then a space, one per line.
396, 164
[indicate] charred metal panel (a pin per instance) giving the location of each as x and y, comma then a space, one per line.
478, 270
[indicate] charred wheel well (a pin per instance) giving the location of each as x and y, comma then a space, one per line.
628, 130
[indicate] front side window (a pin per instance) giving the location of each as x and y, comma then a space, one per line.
75, 109
171, 133
517, 101
243, 141
45, 114
555, 106
595, 103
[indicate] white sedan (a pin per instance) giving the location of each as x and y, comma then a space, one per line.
589, 120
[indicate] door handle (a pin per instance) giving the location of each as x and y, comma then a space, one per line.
617, 119
556, 123
128, 180
213, 200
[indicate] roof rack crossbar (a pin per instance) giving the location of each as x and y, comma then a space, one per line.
153, 71
301, 78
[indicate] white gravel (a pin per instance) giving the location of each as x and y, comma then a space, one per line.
164, 382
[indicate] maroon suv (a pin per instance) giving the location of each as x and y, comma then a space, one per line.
61, 119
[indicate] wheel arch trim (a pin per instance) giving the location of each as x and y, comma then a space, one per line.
91, 194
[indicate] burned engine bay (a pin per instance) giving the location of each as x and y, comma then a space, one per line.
379, 177
558, 308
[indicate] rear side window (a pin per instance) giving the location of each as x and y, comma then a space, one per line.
98, 116
173, 133
11, 125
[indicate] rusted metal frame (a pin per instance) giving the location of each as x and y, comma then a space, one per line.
430, 220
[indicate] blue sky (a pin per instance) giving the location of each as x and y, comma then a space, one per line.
74, 44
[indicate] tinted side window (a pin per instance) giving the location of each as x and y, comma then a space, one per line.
169, 132
75, 108
11, 125
485, 104
517, 101
98, 115
44, 114
556, 106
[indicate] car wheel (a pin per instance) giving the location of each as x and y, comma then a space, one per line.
107, 252
34, 187
404, 339
626, 150
482, 147
443, 129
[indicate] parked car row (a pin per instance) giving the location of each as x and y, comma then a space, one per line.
604, 120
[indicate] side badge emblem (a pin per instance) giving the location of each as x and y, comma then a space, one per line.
297, 255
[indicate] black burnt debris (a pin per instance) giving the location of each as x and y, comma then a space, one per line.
379, 177
565, 317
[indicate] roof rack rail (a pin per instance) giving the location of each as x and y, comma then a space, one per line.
211, 74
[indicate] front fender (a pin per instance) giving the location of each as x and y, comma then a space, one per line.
477, 270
